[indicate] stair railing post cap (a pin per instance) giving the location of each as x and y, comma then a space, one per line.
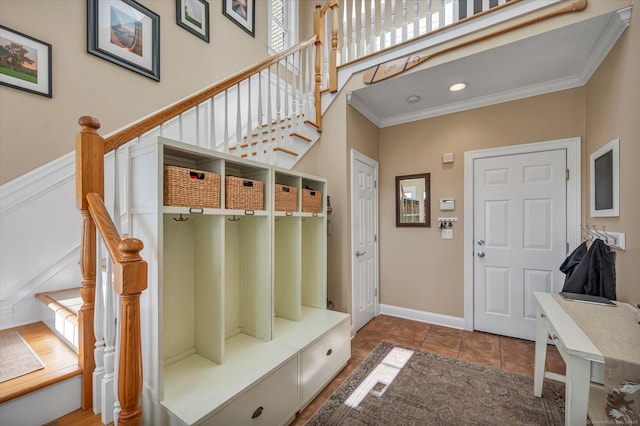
87, 121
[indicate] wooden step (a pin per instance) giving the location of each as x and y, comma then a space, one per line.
60, 361
78, 418
299, 136
63, 320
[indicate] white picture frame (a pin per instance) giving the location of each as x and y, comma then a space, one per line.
604, 180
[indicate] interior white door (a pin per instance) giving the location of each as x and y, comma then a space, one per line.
520, 238
364, 245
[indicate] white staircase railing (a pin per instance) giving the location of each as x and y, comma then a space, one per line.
369, 26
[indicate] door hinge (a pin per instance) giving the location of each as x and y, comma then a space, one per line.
375, 183
567, 248
566, 174
375, 238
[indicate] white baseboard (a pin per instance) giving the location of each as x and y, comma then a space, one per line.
422, 316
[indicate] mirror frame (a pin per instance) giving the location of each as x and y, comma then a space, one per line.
427, 201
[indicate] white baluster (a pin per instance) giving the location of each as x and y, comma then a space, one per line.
98, 330
249, 115
428, 18
441, 15
345, 32
470, 11
116, 360
383, 33
109, 331
354, 43
226, 123
416, 18
300, 111
260, 101
278, 106
404, 21
456, 11
363, 29
485, 5
213, 143
393, 23
326, 48
238, 117
294, 95
373, 46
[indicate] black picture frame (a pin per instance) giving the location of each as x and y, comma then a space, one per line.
118, 30
242, 13
33, 72
193, 16
413, 211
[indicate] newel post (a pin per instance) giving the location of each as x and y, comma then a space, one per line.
89, 178
333, 55
318, 25
130, 280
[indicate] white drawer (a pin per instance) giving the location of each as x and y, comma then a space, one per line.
553, 335
272, 401
322, 360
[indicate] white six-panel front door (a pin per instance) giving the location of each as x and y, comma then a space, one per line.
520, 238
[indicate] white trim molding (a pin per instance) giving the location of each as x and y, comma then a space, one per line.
574, 207
423, 316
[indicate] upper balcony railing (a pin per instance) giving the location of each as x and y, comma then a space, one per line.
366, 27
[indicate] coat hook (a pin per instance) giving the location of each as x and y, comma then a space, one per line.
233, 219
181, 219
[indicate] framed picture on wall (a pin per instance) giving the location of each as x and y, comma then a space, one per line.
242, 13
604, 180
25, 62
193, 16
125, 33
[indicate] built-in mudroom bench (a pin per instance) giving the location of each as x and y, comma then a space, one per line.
234, 324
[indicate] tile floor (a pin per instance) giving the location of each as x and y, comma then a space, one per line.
510, 354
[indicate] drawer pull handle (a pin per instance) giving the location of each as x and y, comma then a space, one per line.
257, 413
542, 315
329, 352
554, 337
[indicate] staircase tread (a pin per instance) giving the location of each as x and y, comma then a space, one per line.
60, 361
68, 299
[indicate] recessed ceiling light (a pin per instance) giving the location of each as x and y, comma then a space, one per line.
457, 87
414, 99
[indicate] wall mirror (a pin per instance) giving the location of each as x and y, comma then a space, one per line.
413, 206
605, 180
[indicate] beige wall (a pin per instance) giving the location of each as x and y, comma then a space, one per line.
35, 130
417, 148
613, 111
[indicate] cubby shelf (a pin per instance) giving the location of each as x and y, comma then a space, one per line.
238, 296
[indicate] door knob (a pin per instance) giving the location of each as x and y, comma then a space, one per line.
480, 254
358, 254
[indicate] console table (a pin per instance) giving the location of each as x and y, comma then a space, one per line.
578, 352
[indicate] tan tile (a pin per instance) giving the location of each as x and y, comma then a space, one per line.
446, 337
383, 323
480, 358
439, 349
404, 341
554, 361
413, 330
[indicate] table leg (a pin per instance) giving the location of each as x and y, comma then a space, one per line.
541, 354
577, 390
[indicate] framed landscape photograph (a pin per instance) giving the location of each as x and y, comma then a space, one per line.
25, 62
242, 13
125, 33
193, 16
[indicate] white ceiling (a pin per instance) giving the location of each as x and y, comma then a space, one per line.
551, 61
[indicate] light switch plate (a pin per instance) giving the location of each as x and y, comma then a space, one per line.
447, 234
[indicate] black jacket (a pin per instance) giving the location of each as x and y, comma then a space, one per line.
595, 274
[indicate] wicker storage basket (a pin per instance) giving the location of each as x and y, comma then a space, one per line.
243, 194
286, 198
311, 201
191, 188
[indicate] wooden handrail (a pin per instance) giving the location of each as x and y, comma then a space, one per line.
105, 225
146, 124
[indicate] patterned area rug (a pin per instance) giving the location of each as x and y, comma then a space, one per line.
16, 357
397, 385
